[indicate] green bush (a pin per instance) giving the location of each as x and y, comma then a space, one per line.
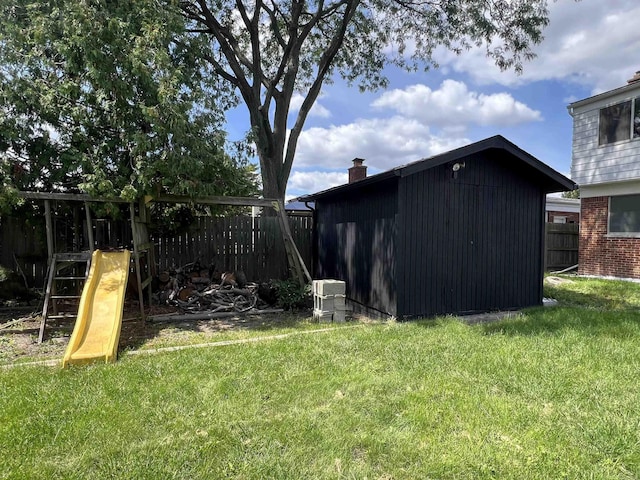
291, 295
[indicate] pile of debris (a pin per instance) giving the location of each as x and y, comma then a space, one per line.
13, 288
197, 289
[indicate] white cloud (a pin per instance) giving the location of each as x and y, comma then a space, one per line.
454, 105
383, 142
425, 122
315, 181
317, 110
591, 42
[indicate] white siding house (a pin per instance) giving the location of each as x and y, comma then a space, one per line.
606, 166
596, 161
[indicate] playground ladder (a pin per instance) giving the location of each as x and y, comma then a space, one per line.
57, 277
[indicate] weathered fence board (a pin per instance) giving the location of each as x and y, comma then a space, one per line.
561, 245
251, 244
24, 243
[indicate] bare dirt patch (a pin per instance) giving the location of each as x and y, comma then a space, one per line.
18, 342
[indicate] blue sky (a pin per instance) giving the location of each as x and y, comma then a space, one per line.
590, 46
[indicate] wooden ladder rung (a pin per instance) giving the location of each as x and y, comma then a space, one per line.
59, 262
73, 257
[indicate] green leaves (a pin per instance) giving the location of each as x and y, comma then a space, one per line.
270, 50
106, 97
125, 98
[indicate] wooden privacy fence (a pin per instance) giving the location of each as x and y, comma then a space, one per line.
24, 244
251, 244
561, 245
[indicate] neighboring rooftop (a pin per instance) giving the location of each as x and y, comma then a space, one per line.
563, 204
297, 206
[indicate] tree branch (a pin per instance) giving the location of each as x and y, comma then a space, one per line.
227, 43
253, 28
290, 58
274, 24
323, 68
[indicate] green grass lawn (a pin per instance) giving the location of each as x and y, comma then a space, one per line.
552, 393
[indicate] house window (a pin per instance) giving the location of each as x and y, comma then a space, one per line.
636, 118
624, 215
615, 123
558, 219
619, 122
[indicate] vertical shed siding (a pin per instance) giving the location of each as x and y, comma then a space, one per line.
356, 243
471, 243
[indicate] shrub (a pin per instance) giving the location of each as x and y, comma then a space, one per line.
291, 295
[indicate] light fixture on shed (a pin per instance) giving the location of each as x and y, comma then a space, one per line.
456, 167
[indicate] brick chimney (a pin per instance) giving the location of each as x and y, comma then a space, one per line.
358, 171
635, 78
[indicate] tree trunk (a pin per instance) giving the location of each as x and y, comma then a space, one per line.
270, 184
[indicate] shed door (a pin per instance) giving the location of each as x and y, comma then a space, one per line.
494, 249
469, 247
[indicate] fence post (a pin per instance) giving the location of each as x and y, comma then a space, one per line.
49, 228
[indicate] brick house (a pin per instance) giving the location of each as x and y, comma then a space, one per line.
606, 166
562, 210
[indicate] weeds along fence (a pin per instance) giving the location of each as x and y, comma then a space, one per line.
252, 244
561, 245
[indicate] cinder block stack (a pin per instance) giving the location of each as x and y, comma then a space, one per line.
329, 300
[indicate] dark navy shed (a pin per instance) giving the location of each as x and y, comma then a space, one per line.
456, 233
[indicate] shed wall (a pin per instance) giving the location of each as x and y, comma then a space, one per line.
356, 243
473, 242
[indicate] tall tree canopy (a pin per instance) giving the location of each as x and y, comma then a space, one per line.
111, 98
116, 96
268, 50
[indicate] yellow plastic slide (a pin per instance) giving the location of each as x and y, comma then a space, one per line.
97, 329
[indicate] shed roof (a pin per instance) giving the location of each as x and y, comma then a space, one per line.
553, 180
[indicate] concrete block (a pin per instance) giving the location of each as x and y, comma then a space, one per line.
329, 302
339, 316
339, 302
330, 287
322, 316
326, 304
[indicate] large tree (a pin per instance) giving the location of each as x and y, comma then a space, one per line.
108, 97
269, 50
